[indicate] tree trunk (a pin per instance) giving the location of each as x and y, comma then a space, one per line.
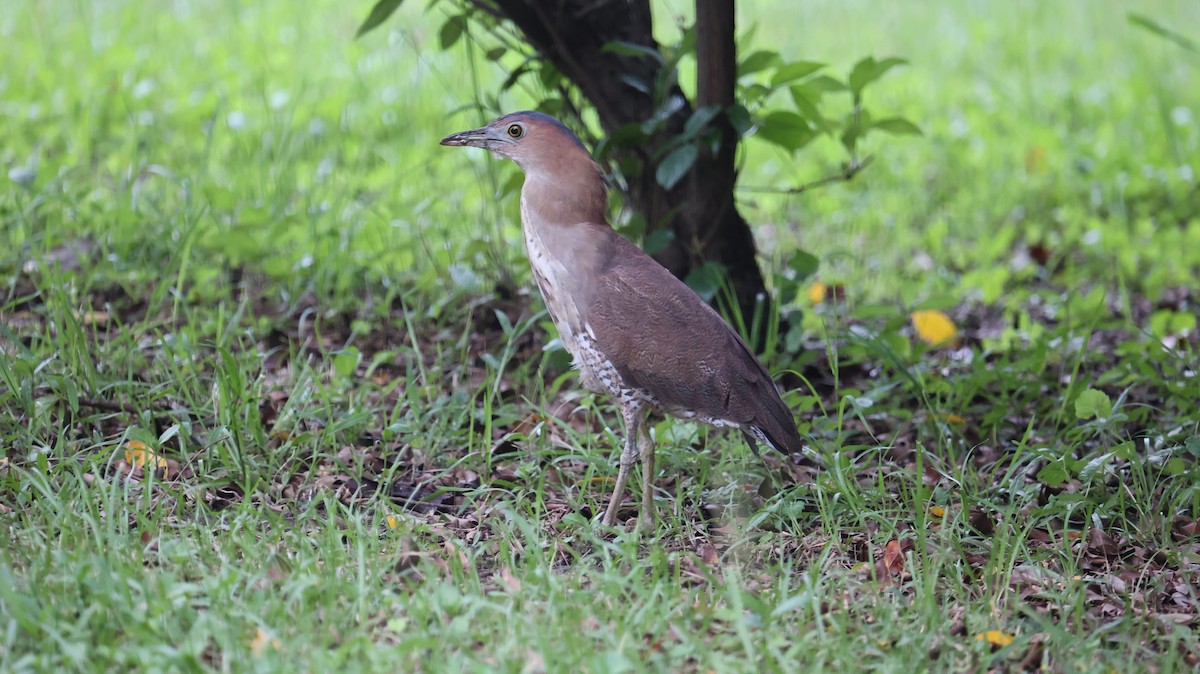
700, 209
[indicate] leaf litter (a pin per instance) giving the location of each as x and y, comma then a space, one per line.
1123, 574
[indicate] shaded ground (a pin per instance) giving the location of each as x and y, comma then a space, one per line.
1106, 505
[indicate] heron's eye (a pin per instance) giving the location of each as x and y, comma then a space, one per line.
515, 131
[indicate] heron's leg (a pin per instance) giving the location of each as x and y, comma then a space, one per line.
632, 414
646, 445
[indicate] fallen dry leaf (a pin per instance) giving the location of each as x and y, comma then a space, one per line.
995, 638
816, 292
262, 641
98, 318
893, 560
980, 521
452, 551
139, 455
1100, 543
819, 292
510, 582
934, 327
708, 553
1185, 528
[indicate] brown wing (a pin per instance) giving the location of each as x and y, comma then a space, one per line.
664, 339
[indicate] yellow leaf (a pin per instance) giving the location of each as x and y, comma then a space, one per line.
816, 292
934, 327
995, 638
262, 641
137, 454
951, 418
937, 511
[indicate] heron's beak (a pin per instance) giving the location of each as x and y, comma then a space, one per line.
483, 137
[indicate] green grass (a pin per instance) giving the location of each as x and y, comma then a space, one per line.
228, 233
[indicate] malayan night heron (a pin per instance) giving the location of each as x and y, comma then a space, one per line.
635, 331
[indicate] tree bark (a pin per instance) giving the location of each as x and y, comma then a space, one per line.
700, 209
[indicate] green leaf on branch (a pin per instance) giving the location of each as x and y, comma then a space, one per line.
786, 129
629, 135
790, 72
676, 164
549, 76
804, 264
897, 126
700, 119
516, 74
452, 30
706, 279
806, 102
551, 106
655, 242
850, 136
740, 119
637, 83
868, 70
379, 13
823, 84
759, 60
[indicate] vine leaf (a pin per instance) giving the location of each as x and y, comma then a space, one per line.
379, 13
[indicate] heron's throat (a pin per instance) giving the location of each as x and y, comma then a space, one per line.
561, 228
564, 197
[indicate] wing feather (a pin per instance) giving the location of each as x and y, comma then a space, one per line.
665, 340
